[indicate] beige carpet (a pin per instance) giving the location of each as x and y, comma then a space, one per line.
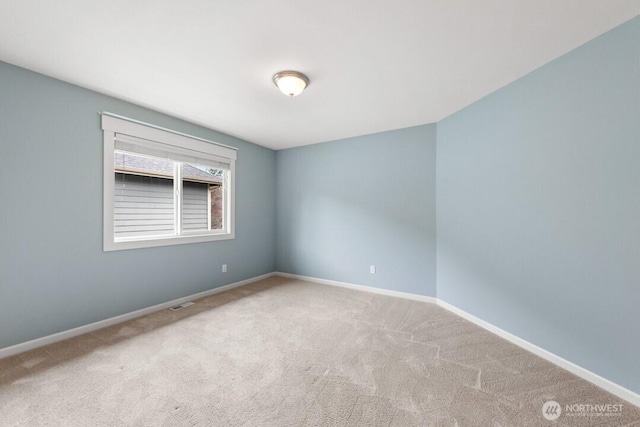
287, 353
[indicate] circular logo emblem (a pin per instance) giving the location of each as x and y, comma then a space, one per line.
551, 410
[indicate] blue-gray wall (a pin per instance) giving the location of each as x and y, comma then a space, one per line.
538, 207
53, 273
370, 200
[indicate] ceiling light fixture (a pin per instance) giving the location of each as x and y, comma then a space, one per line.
291, 83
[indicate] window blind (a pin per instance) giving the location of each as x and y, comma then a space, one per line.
142, 146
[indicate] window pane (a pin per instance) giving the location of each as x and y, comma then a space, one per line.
202, 203
216, 206
144, 202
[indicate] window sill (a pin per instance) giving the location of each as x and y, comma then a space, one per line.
117, 245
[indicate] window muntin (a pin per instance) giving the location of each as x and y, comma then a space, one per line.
163, 187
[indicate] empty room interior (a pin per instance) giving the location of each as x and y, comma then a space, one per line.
375, 213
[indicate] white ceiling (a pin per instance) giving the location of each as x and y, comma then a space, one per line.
374, 65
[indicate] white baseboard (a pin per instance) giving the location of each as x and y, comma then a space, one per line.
60, 336
579, 371
369, 289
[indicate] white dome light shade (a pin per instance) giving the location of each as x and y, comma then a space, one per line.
291, 83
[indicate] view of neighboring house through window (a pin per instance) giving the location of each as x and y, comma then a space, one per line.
144, 196
143, 203
163, 187
202, 196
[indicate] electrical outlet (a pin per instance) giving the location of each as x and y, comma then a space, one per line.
224, 268
372, 269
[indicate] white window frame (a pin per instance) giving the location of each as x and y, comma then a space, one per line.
169, 140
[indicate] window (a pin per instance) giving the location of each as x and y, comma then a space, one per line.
163, 187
